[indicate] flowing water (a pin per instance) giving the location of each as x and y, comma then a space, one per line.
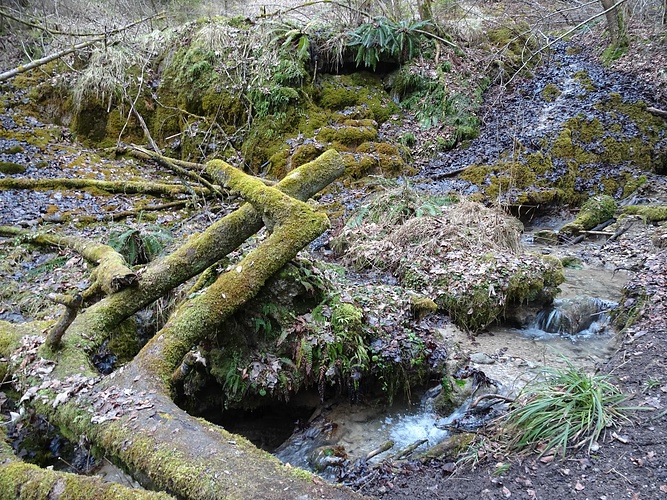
344, 433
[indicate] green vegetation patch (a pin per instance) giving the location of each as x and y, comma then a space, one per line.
567, 409
9, 168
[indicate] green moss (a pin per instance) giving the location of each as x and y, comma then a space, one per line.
364, 90
305, 153
650, 213
9, 168
13, 150
550, 92
585, 81
595, 211
422, 307
124, 342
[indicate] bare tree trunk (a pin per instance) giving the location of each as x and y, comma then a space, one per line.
425, 9
616, 23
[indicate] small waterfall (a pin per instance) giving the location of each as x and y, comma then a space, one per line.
577, 316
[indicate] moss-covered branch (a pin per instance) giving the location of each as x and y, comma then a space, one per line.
205, 249
152, 188
112, 273
297, 225
21, 480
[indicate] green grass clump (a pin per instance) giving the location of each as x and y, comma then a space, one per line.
569, 409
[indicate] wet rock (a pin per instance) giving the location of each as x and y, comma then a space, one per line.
481, 358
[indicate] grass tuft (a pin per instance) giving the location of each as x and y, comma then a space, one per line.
568, 409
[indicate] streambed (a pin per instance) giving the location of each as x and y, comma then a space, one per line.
343, 433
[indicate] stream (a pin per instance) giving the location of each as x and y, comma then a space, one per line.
344, 433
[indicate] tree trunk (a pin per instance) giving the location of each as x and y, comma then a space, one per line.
614, 13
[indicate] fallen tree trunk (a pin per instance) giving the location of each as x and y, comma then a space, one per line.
20, 480
205, 249
130, 413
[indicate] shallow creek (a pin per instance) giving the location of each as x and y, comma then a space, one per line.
509, 356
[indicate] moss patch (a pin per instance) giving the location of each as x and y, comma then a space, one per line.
9, 168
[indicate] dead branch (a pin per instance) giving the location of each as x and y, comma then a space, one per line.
118, 215
44, 60
52, 31
171, 163
657, 112
490, 396
72, 305
152, 188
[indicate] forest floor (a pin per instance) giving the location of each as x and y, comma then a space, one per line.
631, 461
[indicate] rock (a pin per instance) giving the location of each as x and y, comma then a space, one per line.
481, 358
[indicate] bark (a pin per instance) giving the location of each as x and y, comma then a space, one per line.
111, 274
130, 413
152, 188
616, 24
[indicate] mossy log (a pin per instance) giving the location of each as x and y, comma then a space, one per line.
205, 249
135, 187
21, 480
175, 452
112, 273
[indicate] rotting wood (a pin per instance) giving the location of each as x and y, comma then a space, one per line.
207, 248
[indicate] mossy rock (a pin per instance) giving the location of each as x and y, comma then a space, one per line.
595, 211
337, 92
305, 153
422, 307
9, 168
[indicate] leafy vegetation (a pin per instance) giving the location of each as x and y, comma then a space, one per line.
140, 246
384, 38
